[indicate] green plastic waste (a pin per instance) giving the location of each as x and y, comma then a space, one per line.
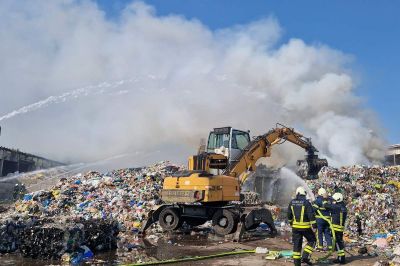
287, 254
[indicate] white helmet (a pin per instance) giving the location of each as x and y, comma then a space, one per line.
338, 197
301, 191
321, 192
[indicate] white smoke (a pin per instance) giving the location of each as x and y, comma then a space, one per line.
191, 79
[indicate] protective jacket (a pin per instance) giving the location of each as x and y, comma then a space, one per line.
319, 205
338, 214
300, 213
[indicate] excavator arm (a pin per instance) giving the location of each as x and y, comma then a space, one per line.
261, 147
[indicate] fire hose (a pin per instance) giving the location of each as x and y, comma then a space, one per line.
194, 258
333, 237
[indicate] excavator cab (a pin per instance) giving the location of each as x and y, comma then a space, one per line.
224, 146
227, 141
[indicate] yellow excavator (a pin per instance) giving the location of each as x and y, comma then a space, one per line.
211, 187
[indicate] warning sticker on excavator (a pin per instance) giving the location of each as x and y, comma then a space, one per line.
173, 195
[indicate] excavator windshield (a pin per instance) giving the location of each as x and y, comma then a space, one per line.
217, 140
228, 138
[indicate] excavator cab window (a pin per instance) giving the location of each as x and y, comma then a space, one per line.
232, 139
240, 139
216, 140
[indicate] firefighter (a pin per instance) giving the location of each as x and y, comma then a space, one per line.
323, 217
22, 191
16, 191
339, 214
359, 224
302, 219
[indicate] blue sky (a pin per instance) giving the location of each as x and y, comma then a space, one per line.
365, 29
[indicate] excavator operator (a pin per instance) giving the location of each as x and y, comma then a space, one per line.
302, 219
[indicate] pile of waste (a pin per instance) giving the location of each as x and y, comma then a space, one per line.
372, 197
82, 213
48, 238
30, 179
16, 185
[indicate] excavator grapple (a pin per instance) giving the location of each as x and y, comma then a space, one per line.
310, 166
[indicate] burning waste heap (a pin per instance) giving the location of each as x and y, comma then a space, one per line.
94, 212
83, 213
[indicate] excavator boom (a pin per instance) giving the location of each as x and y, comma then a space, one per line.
261, 147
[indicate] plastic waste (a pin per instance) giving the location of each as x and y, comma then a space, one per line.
27, 197
87, 253
77, 258
261, 250
272, 255
286, 254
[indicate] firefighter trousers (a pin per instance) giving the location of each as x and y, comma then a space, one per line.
339, 247
324, 230
297, 237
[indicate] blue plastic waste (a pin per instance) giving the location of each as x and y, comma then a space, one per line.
84, 254
84, 204
87, 254
27, 197
264, 226
77, 258
376, 236
46, 202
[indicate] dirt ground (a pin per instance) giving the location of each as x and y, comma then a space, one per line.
259, 259
182, 246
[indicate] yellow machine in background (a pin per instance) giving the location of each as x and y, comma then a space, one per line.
210, 188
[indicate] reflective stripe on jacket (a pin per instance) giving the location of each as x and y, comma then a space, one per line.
300, 213
338, 214
319, 205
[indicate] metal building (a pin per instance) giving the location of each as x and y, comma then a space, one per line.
393, 155
12, 161
15, 161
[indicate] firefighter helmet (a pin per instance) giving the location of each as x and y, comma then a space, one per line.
338, 197
321, 192
301, 191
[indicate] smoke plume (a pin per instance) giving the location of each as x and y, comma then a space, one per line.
76, 86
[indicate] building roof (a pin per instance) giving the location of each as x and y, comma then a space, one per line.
394, 146
393, 149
